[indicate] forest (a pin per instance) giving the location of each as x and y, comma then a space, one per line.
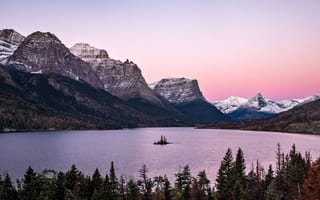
294, 176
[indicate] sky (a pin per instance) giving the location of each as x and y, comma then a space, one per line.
232, 47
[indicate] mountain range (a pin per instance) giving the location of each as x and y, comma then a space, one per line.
45, 85
258, 107
304, 118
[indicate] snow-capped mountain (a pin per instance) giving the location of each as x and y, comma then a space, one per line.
122, 79
178, 90
258, 106
230, 104
9, 42
44, 53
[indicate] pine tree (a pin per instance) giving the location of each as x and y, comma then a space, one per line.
311, 186
132, 190
29, 187
145, 184
7, 191
60, 189
96, 182
280, 179
113, 182
224, 183
167, 189
183, 182
204, 183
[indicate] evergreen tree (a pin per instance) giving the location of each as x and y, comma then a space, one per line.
72, 180
311, 186
7, 191
122, 187
280, 179
132, 190
60, 189
30, 187
145, 184
204, 184
224, 183
183, 182
113, 182
96, 182
158, 181
239, 176
167, 189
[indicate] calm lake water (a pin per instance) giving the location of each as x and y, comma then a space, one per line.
130, 148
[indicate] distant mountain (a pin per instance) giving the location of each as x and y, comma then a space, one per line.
124, 80
44, 53
9, 42
185, 94
51, 101
230, 104
257, 107
304, 118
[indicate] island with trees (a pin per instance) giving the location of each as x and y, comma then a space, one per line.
163, 141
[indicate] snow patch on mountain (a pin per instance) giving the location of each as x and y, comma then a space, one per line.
230, 104
9, 42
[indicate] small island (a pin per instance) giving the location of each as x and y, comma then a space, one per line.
162, 141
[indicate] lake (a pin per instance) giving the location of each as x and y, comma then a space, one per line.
130, 148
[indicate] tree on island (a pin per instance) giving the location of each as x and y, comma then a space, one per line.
163, 141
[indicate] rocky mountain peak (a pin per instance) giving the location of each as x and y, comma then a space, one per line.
89, 53
259, 100
179, 90
122, 79
43, 37
11, 36
44, 53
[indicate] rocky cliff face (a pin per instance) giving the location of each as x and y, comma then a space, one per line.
44, 53
178, 90
9, 42
122, 79
187, 97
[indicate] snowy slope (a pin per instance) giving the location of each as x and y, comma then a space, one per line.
9, 42
230, 104
260, 104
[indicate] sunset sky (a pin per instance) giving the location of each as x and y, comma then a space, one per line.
233, 48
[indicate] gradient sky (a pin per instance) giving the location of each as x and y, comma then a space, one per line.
233, 48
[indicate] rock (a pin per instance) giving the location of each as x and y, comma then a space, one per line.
179, 90
122, 79
9, 42
44, 53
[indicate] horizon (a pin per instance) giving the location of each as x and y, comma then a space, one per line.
232, 49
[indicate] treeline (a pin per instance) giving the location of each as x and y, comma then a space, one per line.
294, 177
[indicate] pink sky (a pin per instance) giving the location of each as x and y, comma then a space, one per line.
233, 48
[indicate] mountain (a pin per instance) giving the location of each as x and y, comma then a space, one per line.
9, 42
304, 118
185, 94
44, 53
124, 80
258, 106
230, 104
51, 101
